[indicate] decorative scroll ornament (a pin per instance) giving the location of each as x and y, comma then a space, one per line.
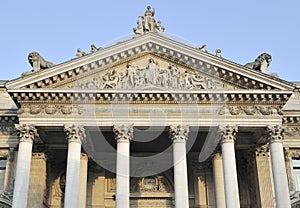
150, 76
147, 23
179, 133
275, 133
26, 132
75, 133
227, 133
123, 133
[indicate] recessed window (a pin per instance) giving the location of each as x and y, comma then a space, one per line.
296, 170
2, 172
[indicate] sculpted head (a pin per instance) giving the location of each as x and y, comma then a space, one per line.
32, 57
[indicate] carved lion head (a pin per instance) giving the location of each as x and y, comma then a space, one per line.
33, 56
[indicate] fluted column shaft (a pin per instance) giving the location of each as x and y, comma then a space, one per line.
179, 136
228, 137
275, 138
75, 135
123, 136
219, 180
26, 134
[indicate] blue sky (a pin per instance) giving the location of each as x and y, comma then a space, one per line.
241, 29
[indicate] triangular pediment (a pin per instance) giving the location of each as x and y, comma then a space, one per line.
149, 61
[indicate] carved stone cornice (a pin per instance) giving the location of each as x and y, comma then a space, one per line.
26, 132
123, 133
25, 97
160, 46
4, 119
75, 133
179, 133
227, 133
291, 120
275, 134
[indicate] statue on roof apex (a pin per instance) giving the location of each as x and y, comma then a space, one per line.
147, 23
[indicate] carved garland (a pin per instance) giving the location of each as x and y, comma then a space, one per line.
251, 110
50, 109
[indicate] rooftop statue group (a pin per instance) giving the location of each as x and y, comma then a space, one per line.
147, 23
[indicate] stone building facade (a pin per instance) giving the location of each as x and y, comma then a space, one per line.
149, 122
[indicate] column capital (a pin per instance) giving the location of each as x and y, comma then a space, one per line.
275, 134
227, 133
123, 133
84, 156
179, 133
217, 156
26, 132
75, 133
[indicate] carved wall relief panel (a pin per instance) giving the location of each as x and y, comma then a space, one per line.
152, 74
150, 184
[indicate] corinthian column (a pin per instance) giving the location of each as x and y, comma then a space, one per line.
275, 138
123, 136
228, 137
75, 135
26, 134
179, 136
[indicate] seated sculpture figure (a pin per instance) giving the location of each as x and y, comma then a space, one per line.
38, 62
261, 63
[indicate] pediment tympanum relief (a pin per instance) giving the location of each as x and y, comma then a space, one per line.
148, 72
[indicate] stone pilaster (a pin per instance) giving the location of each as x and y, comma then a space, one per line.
179, 136
219, 180
123, 136
227, 137
264, 176
10, 173
75, 135
26, 133
275, 136
37, 183
83, 179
